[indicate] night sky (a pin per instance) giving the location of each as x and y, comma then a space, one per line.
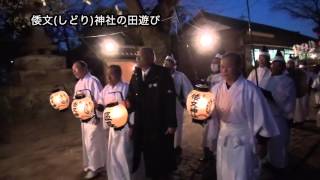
261, 12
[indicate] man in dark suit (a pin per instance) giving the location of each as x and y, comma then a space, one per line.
152, 97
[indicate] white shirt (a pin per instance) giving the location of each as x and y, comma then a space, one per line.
145, 73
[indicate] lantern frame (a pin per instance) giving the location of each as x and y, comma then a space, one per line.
113, 104
82, 95
57, 89
201, 88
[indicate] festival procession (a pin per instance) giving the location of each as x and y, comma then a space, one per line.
160, 90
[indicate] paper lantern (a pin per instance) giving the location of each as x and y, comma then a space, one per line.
59, 100
200, 103
83, 107
115, 115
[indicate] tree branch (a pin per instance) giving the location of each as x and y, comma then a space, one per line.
134, 6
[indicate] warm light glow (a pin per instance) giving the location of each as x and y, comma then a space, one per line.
313, 55
200, 104
59, 100
109, 47
83, 108
116, 115
44, 3
87, 2
205, 40
134, 67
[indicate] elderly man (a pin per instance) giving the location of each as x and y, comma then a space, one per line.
282, 89
263, 71
152, 97
93, 135
245, 122
182, 88
118, 144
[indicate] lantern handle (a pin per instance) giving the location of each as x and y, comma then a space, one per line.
59, 87
86, 90
92, 98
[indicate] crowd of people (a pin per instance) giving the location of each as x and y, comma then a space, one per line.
249, 126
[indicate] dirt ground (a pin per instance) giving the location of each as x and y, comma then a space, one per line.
51, 149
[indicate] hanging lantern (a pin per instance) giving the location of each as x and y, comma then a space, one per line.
115, 115
59, 100
200, 103
83, 106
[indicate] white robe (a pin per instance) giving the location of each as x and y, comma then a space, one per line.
282, 88
243, 113
182, 85
316, 85
264, 75
302, 104
211, 129
118, 154
93, 135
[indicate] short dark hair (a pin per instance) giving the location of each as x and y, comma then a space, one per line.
148, 52
233, 56
116, 69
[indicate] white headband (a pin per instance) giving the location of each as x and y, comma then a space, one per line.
218, 56
170, 58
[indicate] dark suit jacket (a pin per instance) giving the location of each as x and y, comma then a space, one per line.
154, 104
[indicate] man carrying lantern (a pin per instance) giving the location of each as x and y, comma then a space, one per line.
245, 122
282, 89
118, 144
152, 97
93, 135
182, 88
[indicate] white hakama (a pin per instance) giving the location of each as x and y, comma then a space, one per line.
243, 112
93, 135
119, 150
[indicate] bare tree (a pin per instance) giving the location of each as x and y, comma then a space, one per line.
303, 9
156, 37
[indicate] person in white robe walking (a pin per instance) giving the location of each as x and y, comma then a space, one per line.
316, 87
93, 135
283, 93
182, 87
245, 122
263, 71
118, 154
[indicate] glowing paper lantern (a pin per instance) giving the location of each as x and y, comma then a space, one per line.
59, 100
83, 107
200, 103
115, 115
